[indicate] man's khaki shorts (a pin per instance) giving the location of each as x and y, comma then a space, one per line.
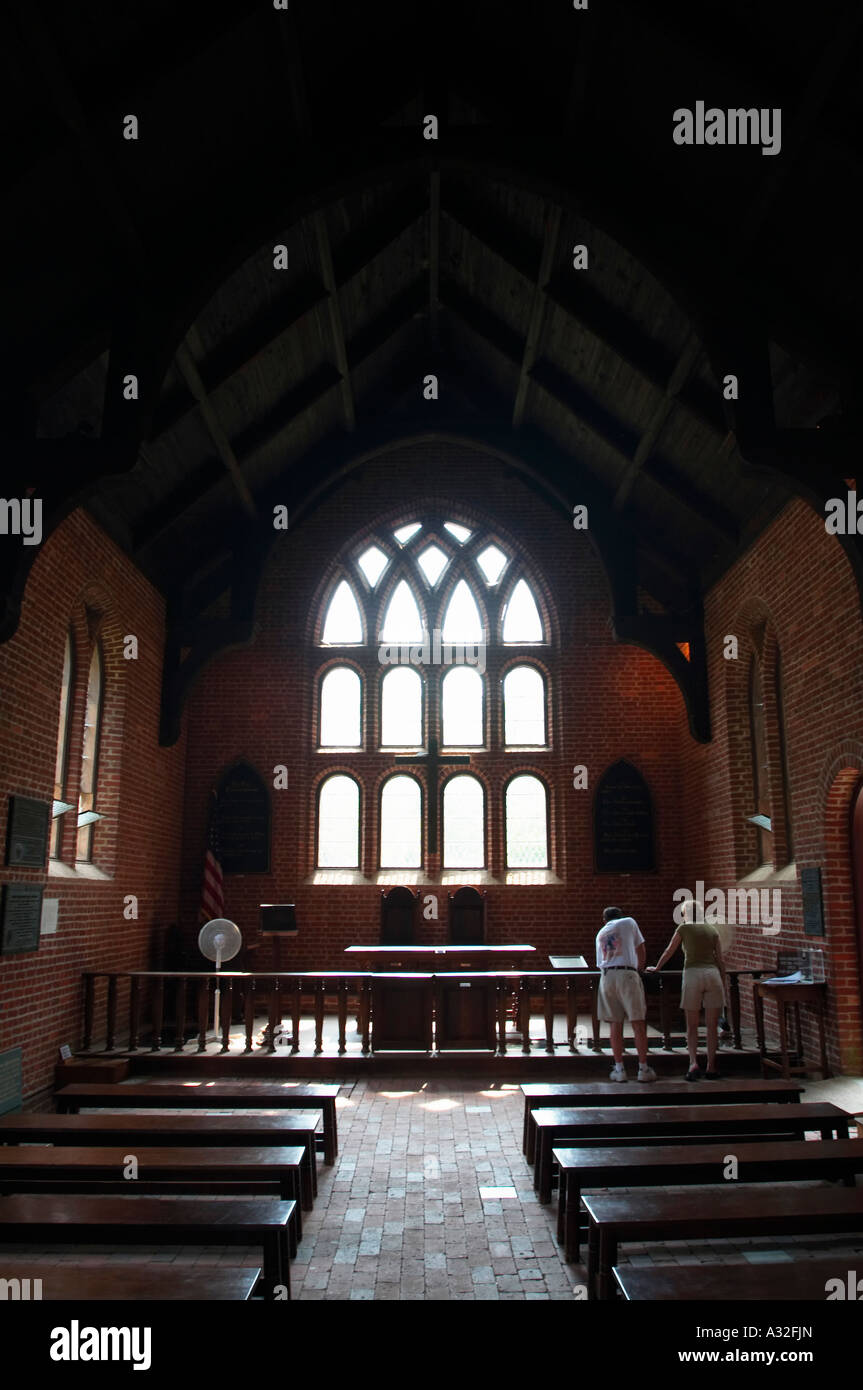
702, 988
621, 995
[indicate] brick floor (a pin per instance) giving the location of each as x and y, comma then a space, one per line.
402, 1213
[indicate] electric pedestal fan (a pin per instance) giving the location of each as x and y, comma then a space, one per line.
219, 940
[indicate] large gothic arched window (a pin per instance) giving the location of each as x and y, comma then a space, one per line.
434, 680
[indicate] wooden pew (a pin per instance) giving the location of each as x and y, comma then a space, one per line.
156, 1220
633, 1166
264, 1171
804, 1280
135, 1283
678, 1123
174, 1131
218, 1095
711, 1214
582, 1093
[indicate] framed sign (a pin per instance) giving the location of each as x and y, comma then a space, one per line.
813, 908
10, 1080
27, 834
243, 811
21, 922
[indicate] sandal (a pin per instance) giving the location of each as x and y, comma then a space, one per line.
713, 1076
694, 1074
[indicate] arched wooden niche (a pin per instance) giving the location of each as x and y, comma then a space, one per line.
623, 822
243, 819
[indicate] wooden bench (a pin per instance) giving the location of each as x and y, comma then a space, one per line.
577, 1093
680, 1123
711, 1214
154, 1221
174, 1131
218, 1095
264, 1172
70, 1283
803, 1280
633, 1166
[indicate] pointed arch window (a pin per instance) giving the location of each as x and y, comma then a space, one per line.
760, 765
341, 709
61, 765
783, 757
339, 823
462, 623
90, 754
343, 624
402, 709
526, 823
402, 622
524, 708
521, 620
463, 823
431, 602
401, 823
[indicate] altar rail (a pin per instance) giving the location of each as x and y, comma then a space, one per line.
120, 1008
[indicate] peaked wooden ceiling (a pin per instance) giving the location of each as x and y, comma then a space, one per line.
409, 256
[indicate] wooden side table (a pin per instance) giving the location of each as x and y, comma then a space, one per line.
785, 997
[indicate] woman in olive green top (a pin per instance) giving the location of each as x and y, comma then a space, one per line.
703, 983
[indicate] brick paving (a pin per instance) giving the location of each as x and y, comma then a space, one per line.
431, 1198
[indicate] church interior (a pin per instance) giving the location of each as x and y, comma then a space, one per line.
430, 519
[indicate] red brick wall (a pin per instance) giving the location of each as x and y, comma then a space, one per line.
608, 702
793, 591
140, 785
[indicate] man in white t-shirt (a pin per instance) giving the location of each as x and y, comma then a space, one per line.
620, 955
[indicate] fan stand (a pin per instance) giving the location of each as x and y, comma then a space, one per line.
217, 995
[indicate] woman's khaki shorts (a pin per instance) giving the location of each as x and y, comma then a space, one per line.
621, 995
702, 988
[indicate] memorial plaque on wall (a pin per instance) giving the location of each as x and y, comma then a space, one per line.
11, 1062
623, 822
244, 821
813, 912
21, 923
27, 836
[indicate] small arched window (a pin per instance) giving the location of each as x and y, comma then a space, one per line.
760, 765
521, 620
402, 622
90, 755
343, 624
341, 709
61, 766
526, 824
401, 824
524, 708
402, 709
463, 823
462, 702
339, 823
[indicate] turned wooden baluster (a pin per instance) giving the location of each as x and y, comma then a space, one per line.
548, 991
203, 1011
664, 1012
249, 1012
524, 1013
296, 1010
112, 1012
134, 1011
320, 989
158, 1013
275, 1014
503, 997
571, 1011
343, 1016
594, 1016
180, 1025
365, 1013
89, 1009
226, 1004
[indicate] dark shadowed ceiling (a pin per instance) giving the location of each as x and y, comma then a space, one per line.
407, 256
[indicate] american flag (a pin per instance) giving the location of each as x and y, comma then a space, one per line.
212, 891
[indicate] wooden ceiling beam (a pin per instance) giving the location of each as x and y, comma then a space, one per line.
593, 416
189, 372
537, 310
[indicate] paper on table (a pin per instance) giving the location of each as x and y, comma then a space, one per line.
795, 979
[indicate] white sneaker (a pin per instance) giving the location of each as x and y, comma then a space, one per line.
646, 1073
618, 1072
